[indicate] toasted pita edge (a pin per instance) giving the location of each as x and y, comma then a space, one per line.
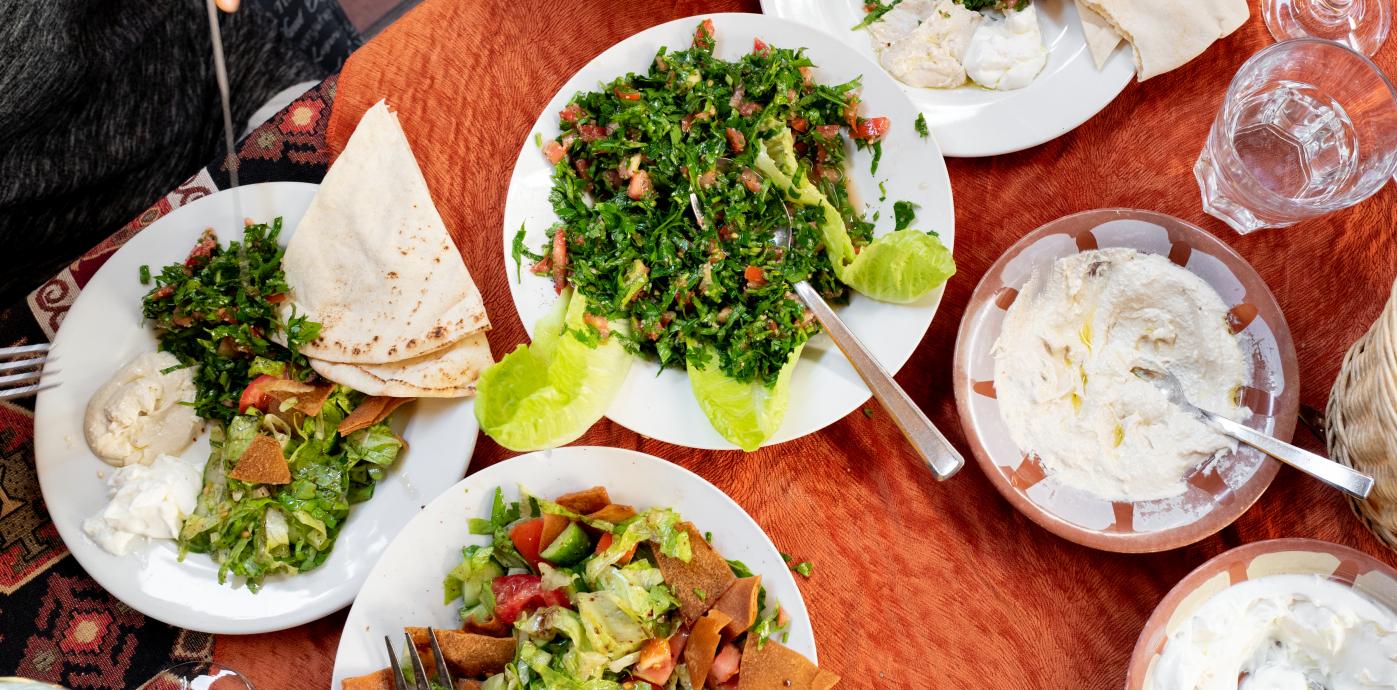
309, 398
381, 679
371, 411
468, 654
703, 643
613, 513
774, 665
585, 501
706, 570
739, 602
262, 463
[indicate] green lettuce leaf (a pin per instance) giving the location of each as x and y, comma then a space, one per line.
547, 394
747, 414
901, 266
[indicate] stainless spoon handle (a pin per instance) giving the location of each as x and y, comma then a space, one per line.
1332, 473
938, 453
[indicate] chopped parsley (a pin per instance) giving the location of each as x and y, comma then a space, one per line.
920, 124
904, 212
875, 9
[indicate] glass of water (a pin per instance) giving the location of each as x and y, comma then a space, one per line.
1358, 24
1308, 127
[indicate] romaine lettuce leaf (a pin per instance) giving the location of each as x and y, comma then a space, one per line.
547, 394
747, 414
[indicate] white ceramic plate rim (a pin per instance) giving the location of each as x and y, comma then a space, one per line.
970, 121
103, 331
824, 388
404, 588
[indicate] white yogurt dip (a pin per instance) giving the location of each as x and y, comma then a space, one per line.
1063, 376
1282, 632
136, 416
147, 501
1007, 52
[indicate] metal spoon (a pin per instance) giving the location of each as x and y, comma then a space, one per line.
1332, 473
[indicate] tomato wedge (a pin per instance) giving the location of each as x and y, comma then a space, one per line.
526, 536
725, 664
655, 664
253, 395
518, 593
871, 129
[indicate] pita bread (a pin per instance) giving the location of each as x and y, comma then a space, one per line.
1166, 35
1101, 38
371, 260
449, 373
703, 645
739, 603
585, 501
705, 572
371, 411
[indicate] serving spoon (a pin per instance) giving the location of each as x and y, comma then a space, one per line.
1353, 483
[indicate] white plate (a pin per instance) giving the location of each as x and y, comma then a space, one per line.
971, 121
404, 589
824, 387
102, 332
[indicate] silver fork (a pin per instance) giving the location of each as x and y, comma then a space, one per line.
419, 674
21, 370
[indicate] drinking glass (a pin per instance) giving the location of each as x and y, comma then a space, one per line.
1307, 127
198, 675
1358, 24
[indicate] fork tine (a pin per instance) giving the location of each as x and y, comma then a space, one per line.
443, 674
7, 352
26, 391
24, 363
419, 673
23, 377
399, 681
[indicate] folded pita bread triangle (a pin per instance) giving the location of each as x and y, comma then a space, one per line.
1166, 34
1101, 38
449, 373
371, 260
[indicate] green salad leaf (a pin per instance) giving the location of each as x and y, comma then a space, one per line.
747, 414
547, 394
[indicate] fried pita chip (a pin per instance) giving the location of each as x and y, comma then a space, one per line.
381, 679
468, 654
703, 645
705, 572
553, 525
467, 684
584, 502
373, 410
309, 399
613, 513
740, 604
491, 628
262, 463
773, 666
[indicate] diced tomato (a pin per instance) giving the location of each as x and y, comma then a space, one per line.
640, 185
871, 129
598, 322
202, 250
827, 131
572, 113
751, 180
736, 141
163, 291
518, 593
655, 663
560, 258
526, 536
605, 542
725, 664
748, 109
799, 124
707, 179
626, 93
541, 267
782, 618
807, 76
704, 36
760, 47
591, 132
755, 276
554, 152
253, 395
851, 111
677, 641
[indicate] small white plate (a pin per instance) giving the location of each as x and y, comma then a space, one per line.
404, 589
824, 387
971, 121
102, 332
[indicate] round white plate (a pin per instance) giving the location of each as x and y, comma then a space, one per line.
102, 332
971, 121
404, 589
824, 387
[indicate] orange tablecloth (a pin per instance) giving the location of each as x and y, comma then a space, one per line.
916, 584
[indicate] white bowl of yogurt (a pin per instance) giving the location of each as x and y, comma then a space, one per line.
1061, 427
1284, 613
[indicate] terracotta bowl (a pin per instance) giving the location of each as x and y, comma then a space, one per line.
1217, 492
1341, 564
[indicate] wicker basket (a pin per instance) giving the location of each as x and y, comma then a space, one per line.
1362, 420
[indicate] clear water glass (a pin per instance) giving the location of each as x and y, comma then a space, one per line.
1308, 127
1358, 24
198, 675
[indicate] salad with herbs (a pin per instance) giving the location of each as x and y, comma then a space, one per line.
669, 187
590, 594
291, 452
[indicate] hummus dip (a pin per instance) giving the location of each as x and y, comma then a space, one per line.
1063, 376
137, 415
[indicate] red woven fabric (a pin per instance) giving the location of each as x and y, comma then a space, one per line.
916, 584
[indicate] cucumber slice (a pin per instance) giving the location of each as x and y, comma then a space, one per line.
569, 547
480, 580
